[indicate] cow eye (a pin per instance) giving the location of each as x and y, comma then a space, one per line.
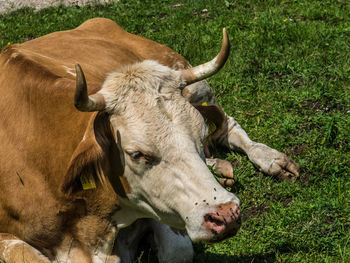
140, 157
136, 155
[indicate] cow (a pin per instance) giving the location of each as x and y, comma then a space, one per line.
131, 146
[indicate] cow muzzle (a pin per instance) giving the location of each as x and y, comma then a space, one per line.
224, 222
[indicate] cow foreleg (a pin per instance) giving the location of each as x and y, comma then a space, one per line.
14, 250
104, 251
266, 159
73, 251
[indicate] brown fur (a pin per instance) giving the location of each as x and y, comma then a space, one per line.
43, 153
41, 131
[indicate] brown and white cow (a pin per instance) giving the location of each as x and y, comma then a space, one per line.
72, 175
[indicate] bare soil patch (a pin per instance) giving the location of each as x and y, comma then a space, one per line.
11, 5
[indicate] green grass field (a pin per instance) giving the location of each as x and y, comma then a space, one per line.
287, 82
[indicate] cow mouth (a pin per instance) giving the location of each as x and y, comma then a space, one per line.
223, 223
221, 229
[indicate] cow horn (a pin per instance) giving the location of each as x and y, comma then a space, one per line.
208, 69
82, 101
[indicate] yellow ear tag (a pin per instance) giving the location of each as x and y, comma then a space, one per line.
212, 126
87, 181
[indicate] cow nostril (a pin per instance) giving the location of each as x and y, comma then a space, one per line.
213, 220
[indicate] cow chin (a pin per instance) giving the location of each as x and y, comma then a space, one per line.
203, 234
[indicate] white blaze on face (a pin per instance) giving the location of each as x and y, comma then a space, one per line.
161, 136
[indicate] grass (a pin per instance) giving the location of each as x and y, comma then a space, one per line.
287, 82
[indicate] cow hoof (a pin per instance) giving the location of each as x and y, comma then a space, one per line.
225, 169
226, 182
273, 162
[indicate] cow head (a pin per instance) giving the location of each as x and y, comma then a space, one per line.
156, 137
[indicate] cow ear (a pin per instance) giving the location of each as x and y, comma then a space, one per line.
215, 118
96, 161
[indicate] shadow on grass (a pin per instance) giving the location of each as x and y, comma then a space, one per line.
202, 256
149, 256
209, 257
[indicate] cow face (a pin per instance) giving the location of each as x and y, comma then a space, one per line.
160, 137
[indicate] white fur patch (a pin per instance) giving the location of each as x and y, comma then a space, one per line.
15, 246
62, 256
9, 244
152, 117
103, 258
